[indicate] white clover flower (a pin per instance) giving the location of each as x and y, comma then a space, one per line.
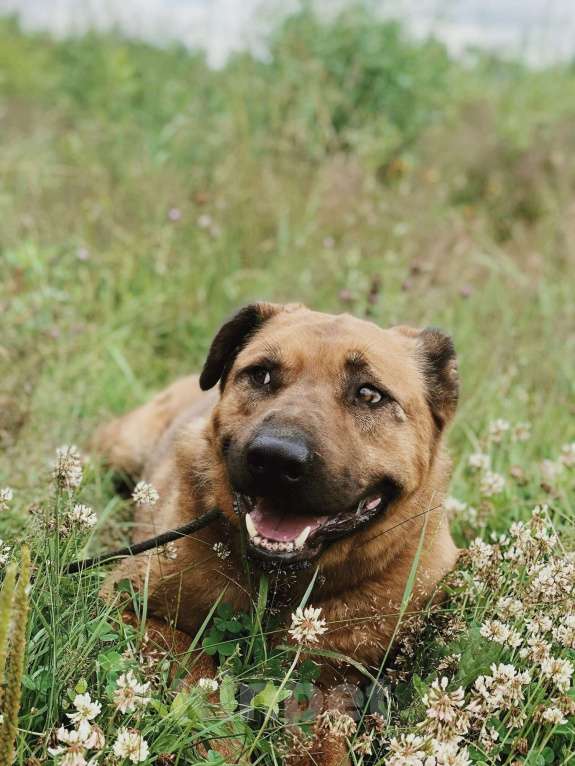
307, 625
520, 532
515, 639
553, 715
559, 671
517, 718
497, 430
521, 432
510, 607
482, 554
441, 704
500, 691
6, 496
67, 468
205, 221
131, 745
95, 739
454, 506
209, 685
145, 494
495, 630
73, 750
552, 581
508, 673
542, 528
130, 693
568, 455
448, 754
537, 649
221, 550
83, 517
471, 515
75, 744
488, 736
550, 470
4, 552
564, 634
491, 484
449, 662
86, 711
500, 633
479, 461
407, 750
541, 623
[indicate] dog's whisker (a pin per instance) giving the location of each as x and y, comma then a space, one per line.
403, 521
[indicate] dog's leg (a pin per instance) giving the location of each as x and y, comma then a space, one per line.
162, 639
327, 747
127, 442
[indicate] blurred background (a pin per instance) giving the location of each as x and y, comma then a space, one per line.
541, 31
163, 162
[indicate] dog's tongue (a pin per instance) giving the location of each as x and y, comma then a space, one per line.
281, 526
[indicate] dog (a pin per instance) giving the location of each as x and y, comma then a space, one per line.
324, 450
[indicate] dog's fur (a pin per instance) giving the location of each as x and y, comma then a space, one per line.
181, 442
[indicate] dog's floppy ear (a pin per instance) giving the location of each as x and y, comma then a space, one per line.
231, 338
439, 365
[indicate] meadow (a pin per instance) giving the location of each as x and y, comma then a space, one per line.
144, 197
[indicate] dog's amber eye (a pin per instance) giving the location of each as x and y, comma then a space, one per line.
369, 395
261, 376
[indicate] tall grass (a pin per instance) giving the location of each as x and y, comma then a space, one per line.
145, 196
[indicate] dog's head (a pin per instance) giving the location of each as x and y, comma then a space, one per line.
324, 422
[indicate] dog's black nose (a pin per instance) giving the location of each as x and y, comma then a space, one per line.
278, 458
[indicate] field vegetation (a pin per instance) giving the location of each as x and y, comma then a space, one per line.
143, 198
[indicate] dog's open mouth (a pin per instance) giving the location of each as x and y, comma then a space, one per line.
285, 536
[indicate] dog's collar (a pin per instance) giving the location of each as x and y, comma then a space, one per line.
146, 545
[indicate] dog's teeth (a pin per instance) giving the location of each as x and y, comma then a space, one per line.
299, 542
250, 526
273, 546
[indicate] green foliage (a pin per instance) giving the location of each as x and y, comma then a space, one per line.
146, 196
229, 631
353, 74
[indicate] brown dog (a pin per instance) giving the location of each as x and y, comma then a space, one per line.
324, 449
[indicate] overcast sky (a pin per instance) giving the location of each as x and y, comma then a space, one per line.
541, 30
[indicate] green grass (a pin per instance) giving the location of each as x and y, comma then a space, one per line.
353, 170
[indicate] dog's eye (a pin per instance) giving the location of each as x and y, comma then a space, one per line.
369, 395
260, 376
